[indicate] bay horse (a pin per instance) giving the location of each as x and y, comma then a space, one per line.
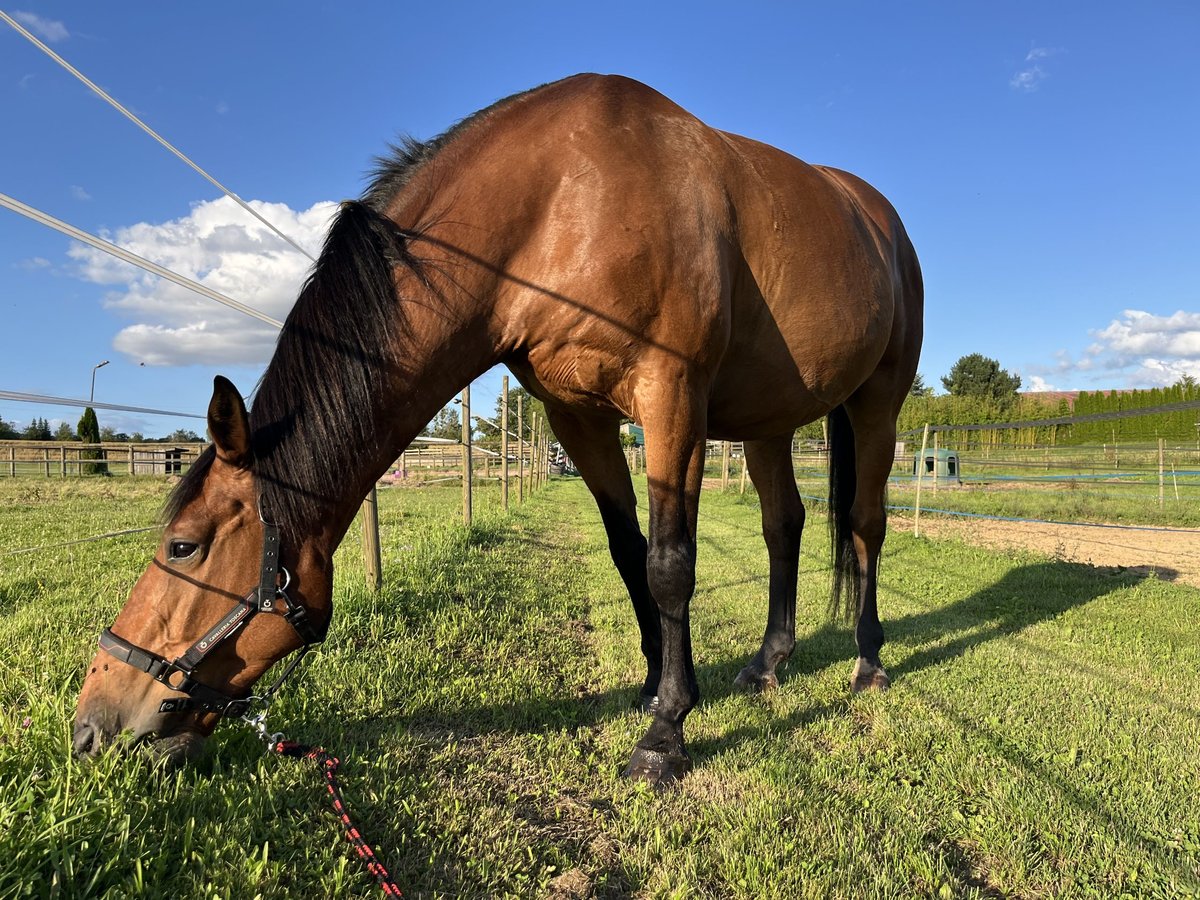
623, 259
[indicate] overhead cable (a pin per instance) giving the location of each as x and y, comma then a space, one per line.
146, 128
95, 404
132, 258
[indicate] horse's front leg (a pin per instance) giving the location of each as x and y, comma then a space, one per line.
674, 468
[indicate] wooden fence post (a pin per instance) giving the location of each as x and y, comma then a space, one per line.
535, 446
742, 487
520, 449
504, 442
12, 462
543, 453
372, 558
466, 453
62, 460
920, 473
535, 461
724, 466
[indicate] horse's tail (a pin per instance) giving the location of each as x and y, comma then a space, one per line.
843, 482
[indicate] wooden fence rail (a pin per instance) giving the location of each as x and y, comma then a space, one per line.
73, 458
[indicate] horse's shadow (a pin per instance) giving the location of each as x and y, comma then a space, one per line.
1024, 597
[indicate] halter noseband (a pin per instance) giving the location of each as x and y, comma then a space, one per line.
178, 675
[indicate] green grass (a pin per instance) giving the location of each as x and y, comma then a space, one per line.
1040, 738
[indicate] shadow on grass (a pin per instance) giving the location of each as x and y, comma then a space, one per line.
1024, 597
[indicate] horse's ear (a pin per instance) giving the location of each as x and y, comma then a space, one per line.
228, 423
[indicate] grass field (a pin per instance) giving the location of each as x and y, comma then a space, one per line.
1040, 738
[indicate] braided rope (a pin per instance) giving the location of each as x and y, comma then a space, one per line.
329, 765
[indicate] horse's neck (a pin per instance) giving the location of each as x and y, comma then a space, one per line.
446, 345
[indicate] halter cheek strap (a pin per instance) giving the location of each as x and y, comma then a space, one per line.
178, 675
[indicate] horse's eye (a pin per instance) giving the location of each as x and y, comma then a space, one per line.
180, 551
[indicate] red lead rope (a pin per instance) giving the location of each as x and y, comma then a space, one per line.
329, 766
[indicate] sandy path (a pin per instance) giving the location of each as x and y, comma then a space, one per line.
1174, 555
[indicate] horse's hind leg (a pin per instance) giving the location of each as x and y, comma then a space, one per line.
770, 465
874, 424
595, 448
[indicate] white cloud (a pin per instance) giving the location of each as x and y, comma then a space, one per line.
50, 30
1141, 334
1138, 350
222, 247
23, 82
34, 264
79, 193
222, 108
1038, 383
1029, 78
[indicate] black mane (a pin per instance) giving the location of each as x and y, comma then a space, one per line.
314, 412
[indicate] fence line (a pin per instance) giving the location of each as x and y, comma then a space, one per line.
87, 540
970, 515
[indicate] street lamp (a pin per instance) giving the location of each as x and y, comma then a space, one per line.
100, 365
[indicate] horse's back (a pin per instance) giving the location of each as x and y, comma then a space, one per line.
775, 284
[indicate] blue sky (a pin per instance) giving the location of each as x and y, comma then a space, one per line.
1042, 156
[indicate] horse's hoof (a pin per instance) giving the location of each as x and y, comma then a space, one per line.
660, 769
755, 681
868, 677
647, 703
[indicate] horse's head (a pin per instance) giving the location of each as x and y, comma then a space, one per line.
221, 601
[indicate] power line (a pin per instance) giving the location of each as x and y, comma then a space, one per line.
67, 401
132, 258
146, 128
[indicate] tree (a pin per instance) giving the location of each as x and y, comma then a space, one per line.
531, 408
65, 433
89, 433
110, 436
446, 424
183, 436
37, 430
8, 431
919, 388
976, 375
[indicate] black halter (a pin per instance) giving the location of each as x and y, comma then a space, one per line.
178, 675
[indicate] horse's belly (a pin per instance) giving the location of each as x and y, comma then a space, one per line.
769, 384
755, 403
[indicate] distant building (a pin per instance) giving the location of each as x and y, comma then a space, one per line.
639, 434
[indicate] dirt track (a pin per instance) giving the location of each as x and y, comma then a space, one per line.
1172, 555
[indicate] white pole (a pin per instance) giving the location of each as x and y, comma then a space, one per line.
920, 474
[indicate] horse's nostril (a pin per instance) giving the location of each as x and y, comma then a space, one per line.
85, 737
